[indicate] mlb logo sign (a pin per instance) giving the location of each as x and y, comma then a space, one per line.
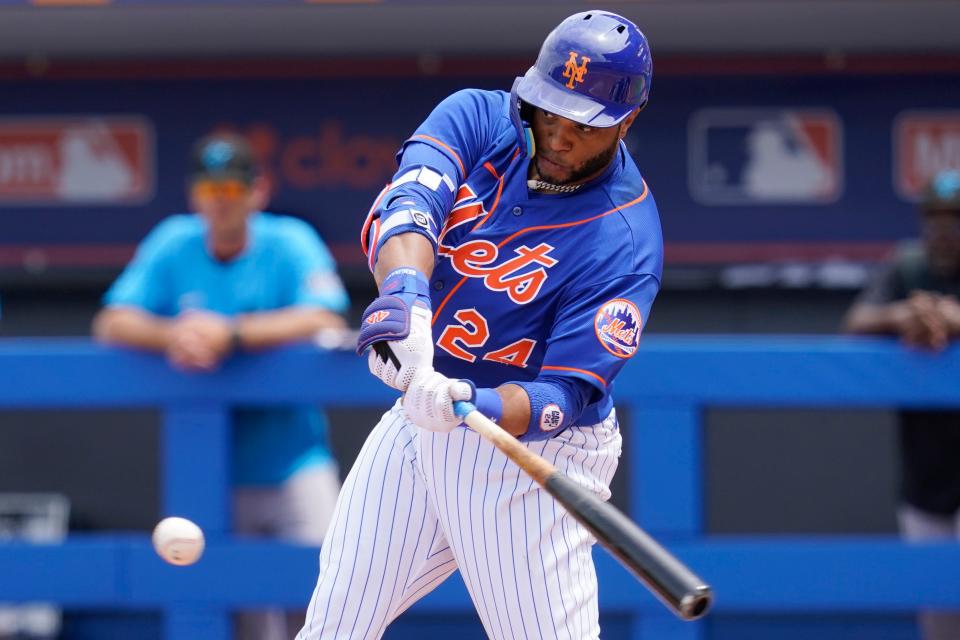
765, 156
925, 143
75, 161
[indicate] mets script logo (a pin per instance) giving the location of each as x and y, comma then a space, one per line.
377, 316
574, 72
476, 258
617, 325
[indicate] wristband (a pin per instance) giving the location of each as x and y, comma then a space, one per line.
405, 282
487, 401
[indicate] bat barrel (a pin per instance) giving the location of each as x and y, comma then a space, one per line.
684, 593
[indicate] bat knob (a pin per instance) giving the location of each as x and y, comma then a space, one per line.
695, 603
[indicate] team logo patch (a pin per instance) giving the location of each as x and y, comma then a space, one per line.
377, 316
551, 418
574, 72
617, 325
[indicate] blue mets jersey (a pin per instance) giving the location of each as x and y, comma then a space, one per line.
285, 264
529, 282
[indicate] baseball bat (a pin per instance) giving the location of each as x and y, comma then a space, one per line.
670, 580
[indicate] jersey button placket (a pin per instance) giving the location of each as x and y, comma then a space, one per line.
518, 211
437, 285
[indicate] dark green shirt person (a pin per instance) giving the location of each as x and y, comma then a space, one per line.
915, 296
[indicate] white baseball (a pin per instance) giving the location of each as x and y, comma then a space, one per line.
178, 541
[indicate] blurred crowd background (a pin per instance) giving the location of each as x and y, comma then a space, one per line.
787, 142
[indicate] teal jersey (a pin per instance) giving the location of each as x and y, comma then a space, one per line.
285, 264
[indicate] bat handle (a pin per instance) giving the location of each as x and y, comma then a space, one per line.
462, 408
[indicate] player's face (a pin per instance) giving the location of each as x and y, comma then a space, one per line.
571, 153
225, 205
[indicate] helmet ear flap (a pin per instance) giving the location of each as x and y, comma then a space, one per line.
526, 116
526, 111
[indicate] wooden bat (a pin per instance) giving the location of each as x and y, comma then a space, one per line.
678, 587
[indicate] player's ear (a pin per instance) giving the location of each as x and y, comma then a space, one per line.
625, 125
260, 192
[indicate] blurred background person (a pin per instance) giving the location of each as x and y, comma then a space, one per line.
232, 278
915, 297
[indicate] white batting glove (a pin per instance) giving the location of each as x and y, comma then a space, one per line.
397, 362
396, 328
428, 402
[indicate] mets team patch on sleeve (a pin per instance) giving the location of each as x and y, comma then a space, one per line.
617, 325
551, 418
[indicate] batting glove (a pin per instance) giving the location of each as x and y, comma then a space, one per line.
397, 327
428, 402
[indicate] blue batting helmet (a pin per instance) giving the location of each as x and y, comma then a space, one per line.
594, 68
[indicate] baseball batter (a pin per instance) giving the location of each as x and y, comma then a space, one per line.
517, 252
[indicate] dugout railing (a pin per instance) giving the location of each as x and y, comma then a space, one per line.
667, 390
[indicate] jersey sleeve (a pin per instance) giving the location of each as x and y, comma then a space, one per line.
144, 282
460, 127
314, 280
597, 329
432, 163
884, 287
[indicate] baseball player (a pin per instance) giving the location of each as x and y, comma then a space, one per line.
517, 252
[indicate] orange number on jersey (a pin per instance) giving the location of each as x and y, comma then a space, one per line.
473, 332
515, 354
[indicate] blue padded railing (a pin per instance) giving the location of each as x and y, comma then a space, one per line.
667, 387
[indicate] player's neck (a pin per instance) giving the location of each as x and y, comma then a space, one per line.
228, 247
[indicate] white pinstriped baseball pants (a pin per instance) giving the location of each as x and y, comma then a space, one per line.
417, 505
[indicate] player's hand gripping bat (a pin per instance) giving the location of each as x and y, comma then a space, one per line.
678, 588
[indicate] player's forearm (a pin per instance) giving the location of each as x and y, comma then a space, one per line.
882, 319
404, 250
132, 327
267, 329
516, 409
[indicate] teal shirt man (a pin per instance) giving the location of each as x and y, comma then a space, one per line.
284, 264
230, 277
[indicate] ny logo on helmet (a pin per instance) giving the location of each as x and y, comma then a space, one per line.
574, 72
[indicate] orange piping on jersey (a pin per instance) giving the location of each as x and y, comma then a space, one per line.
461, 215
436, 313
365, 231
583, 371
479, 224
639, 198
489, 167
482, 220
496, 200
448, 148
373, 250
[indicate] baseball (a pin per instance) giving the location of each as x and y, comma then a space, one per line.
178, 541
